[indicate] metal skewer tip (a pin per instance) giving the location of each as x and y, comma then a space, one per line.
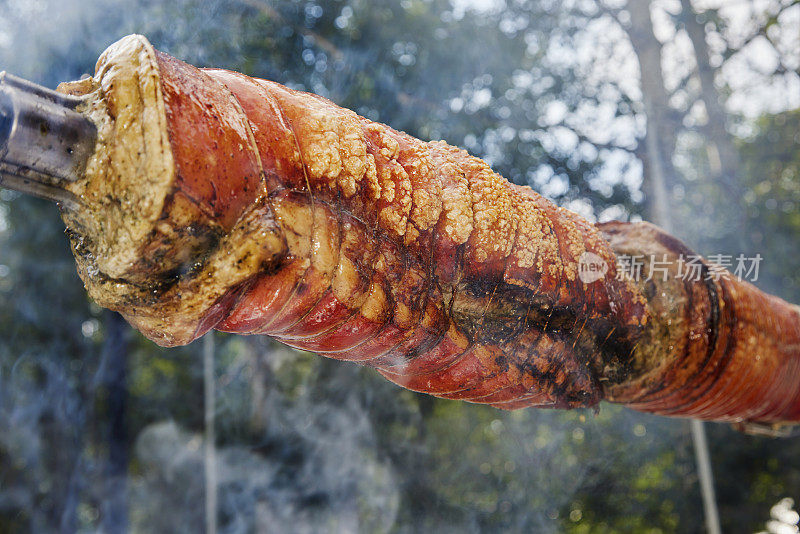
44, 142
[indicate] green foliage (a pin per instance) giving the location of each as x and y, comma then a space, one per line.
771, 166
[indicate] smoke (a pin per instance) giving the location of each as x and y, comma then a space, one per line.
255, 491
312, 467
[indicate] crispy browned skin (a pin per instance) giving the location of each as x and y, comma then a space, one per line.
416, 259
339, 235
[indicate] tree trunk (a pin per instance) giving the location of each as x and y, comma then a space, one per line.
656, 108
659, 172
726, 168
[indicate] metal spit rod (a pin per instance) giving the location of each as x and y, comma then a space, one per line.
44, 142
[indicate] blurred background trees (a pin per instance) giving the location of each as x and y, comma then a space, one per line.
596, 104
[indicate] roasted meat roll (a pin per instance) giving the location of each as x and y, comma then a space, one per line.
217, 200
